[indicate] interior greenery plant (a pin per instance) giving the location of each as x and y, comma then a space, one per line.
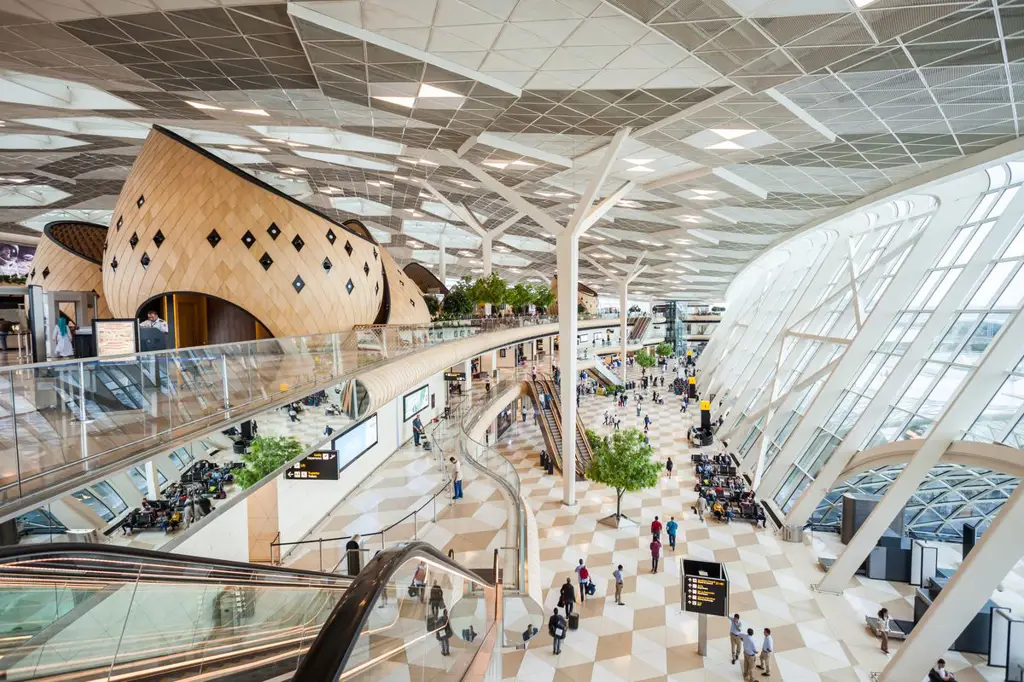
645, 359
663, 349
624, 462
266, 454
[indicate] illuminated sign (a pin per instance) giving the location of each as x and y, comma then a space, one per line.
706, 595
321, 465
693, 380
705, 588
454, 376
705, 405
689, 353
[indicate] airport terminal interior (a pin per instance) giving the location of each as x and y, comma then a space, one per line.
495, 340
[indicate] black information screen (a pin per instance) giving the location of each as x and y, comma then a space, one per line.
706, 595
318, 466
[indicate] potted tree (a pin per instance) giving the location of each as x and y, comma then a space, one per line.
623, 462
266, 454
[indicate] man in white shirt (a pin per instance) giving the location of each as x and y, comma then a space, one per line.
153, 320
456, 477
749, 655
767, 649
736, 637
940, 670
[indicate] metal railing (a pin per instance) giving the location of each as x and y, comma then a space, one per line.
60, 421
283, 549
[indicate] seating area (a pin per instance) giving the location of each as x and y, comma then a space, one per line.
199, 486
727, 495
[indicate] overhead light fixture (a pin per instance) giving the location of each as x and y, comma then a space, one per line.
413, 244
727, 144
408, 102
638, 162
639, 169
427, 90
732, 133
251, 112
273, 139
243, 148
427, 163
16, 181
203, 105
330, 190
296, 145
702, 197
704, 191
629, 203
525, 164
862, 3
500, 165
293, 171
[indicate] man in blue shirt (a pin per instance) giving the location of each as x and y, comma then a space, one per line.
749, 655
417, 430
671, 527
736, 637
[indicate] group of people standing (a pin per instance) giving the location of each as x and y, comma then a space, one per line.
743, 644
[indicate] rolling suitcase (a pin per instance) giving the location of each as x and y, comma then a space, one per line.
574, 621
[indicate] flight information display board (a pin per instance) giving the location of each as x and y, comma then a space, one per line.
706, 595
321, 465
705, 588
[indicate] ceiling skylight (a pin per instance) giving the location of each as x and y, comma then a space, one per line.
299, 136
93, 125
346, 160
38, 222
19, 196
37, 142
360, 206
41, 91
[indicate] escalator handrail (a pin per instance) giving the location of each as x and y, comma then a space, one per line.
328, 655
9, 555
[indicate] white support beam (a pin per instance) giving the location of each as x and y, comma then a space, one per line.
921, 257
500, 229
442, 272
467, 145
970, 401
605, 205
825, 339
854, 292
902, 372
611, 155
516, 200
567, 251
513, 147
966, 593
459, 209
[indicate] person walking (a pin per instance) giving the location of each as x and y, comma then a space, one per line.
702, 507
582, 577
567, 597
456, 478
883, 628
655, 554
767, 649
617, 574
671, 528
656, 528
444, 633
749, 655
436, 602
669, 466
556, 628
736, 637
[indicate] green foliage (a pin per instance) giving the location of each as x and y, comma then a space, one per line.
458, 302
543, 296
12, 279
519, 297
266, 454
623, 462
433, 305
664, 349
490, 289
645, 359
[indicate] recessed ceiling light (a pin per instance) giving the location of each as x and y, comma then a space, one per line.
640, 169
704, 191
16, 181
292, 171
862, 3
251, 112
273, 139
724, 145
413, 244
500, 165
732, 133
203, 105
297, 144
702, 197
400, 101
427, 90
565, 195
526, 164
629, 203
427, 163
638, 162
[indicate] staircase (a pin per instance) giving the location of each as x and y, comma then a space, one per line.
551, 426
639, 329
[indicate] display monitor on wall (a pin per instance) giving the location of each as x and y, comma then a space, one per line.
355, 442
415, 402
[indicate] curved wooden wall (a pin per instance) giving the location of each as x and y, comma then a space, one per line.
407, 305
68, 259
187, 221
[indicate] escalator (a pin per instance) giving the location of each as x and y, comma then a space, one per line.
89, 613
639, 329
604, 375
551, 416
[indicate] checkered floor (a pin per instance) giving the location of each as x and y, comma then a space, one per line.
818, 638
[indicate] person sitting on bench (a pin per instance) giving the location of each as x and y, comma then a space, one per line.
940, 674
